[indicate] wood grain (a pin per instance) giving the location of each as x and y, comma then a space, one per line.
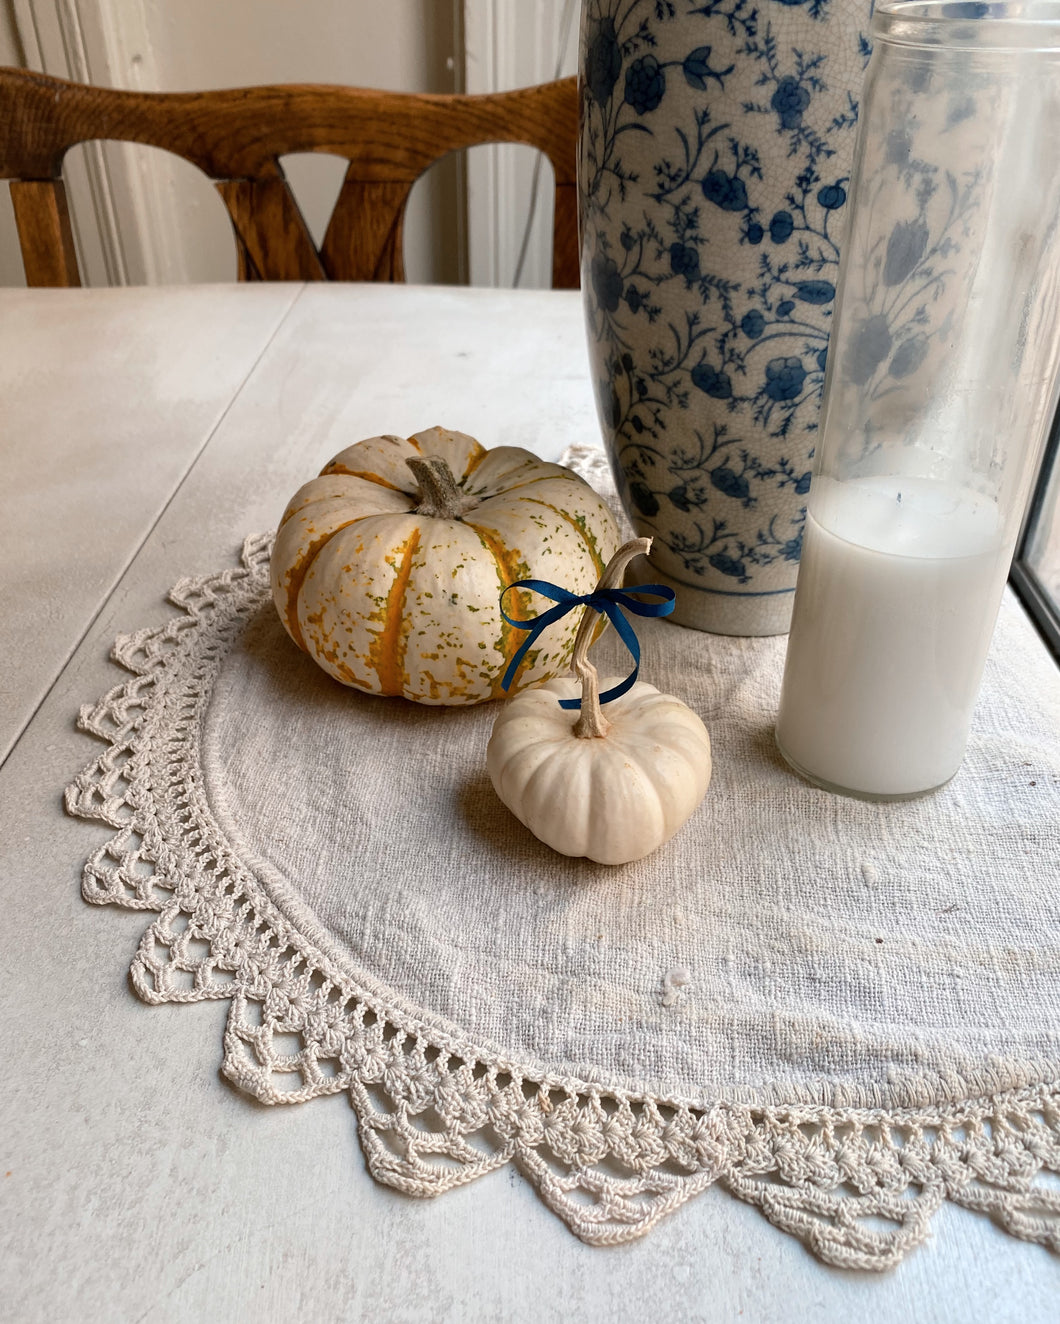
274, 238
363, 238
237, 138
42, 218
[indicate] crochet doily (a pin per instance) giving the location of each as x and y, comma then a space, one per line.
435, 1109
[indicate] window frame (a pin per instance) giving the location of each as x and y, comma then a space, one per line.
1040, 605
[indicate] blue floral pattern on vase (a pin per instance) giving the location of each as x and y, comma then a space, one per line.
715, 154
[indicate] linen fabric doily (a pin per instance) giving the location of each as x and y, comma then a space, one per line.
843, 1012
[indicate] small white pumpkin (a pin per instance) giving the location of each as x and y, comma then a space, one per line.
612, 788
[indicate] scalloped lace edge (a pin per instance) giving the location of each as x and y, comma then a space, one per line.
857, 1185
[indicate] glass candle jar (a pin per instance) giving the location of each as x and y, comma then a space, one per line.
942, 378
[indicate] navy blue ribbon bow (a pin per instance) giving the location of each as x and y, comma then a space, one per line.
610, 602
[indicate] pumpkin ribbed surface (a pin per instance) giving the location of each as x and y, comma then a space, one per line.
614, 799
394, 601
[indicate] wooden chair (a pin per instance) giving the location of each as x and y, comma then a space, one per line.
237, 137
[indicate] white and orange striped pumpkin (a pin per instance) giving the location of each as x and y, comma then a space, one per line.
388, 567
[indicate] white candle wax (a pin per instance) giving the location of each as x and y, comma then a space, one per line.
898, 592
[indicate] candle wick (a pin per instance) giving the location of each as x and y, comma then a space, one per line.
899, 498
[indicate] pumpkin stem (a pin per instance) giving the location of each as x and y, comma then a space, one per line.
591, 723
440, 495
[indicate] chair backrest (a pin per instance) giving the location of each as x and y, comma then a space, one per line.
237, 137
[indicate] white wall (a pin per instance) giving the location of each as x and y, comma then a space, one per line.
510, 44
402, 45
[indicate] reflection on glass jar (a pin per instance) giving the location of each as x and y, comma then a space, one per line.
941, 382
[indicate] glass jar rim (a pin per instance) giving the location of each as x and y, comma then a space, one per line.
980, 25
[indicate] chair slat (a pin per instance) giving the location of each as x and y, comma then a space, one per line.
237, 138
42, 218
565, 275
363, 239
267, 220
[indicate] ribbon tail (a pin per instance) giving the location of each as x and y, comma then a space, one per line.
629, 603
534, 628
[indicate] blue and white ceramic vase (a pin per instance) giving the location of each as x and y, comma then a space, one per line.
717, 138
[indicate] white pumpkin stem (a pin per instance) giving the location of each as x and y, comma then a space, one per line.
440, 494
591, 723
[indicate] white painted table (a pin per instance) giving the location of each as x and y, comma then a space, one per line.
143, 433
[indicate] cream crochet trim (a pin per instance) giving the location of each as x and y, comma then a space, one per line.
858, 1185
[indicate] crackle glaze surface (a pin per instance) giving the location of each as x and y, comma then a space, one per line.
715, 158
